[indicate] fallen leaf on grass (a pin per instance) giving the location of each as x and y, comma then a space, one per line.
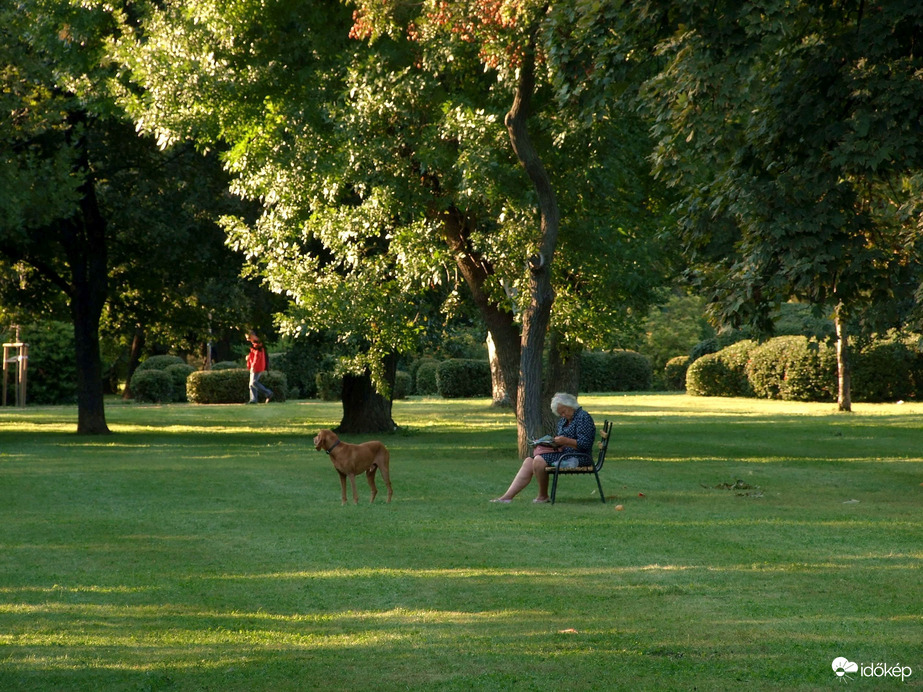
570, 630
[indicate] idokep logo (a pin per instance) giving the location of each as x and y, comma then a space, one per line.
843, 666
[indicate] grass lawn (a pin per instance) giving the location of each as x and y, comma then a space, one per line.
205, 548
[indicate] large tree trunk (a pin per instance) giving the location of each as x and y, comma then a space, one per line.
843, 366
501, 323
365, 411
537, 316
563, 374
84, 243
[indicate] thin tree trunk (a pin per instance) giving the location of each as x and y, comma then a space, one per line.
476, 271
537, 316
843, 366
500, 393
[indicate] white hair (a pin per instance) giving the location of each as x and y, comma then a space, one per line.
563, 399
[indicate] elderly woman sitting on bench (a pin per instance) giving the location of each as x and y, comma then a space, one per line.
575, 433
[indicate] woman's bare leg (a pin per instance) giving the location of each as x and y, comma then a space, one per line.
522, 479
540, 471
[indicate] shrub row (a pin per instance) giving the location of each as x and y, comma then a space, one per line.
231, 386
459, 378
722, 373
614, 371
674, 373
795, 368
161, 379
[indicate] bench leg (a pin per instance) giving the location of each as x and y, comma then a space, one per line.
554, 485
602, 495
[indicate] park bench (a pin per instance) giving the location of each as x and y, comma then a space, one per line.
593, 467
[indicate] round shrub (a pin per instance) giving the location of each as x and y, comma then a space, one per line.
630, 371
157, 363
230, 386
594, 372
793, 368
674, 373
884, 371
463, 377
426, 383
704, 375
329, 386
226, 365
723, 373
178, 373
703, 348
403, 382
152, 385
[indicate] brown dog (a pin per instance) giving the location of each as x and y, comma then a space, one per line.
350, 460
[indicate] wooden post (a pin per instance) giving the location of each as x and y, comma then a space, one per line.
21, 358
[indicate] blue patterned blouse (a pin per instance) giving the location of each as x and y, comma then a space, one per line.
581, 428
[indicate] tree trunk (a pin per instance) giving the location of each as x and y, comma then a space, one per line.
500, 393
537, 316
134, 358
84, 241
366, 411
501, 323
843, 366
563, 374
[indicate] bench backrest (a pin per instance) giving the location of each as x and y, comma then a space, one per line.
603, 444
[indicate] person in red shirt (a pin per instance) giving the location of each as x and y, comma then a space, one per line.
256, 364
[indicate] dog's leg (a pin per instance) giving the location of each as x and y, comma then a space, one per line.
370, 477
343, 485
352, 480
383, 463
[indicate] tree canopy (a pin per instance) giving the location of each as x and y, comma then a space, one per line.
91, 211
794, 131
384, 165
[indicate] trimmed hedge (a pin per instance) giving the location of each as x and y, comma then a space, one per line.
614, 371
403, 383
793, 368
887, 371
674, 373
463, 377
230, 386
723, 373
179, 373
427, 383
157, 363
152, 385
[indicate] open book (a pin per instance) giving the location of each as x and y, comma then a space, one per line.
546, 440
